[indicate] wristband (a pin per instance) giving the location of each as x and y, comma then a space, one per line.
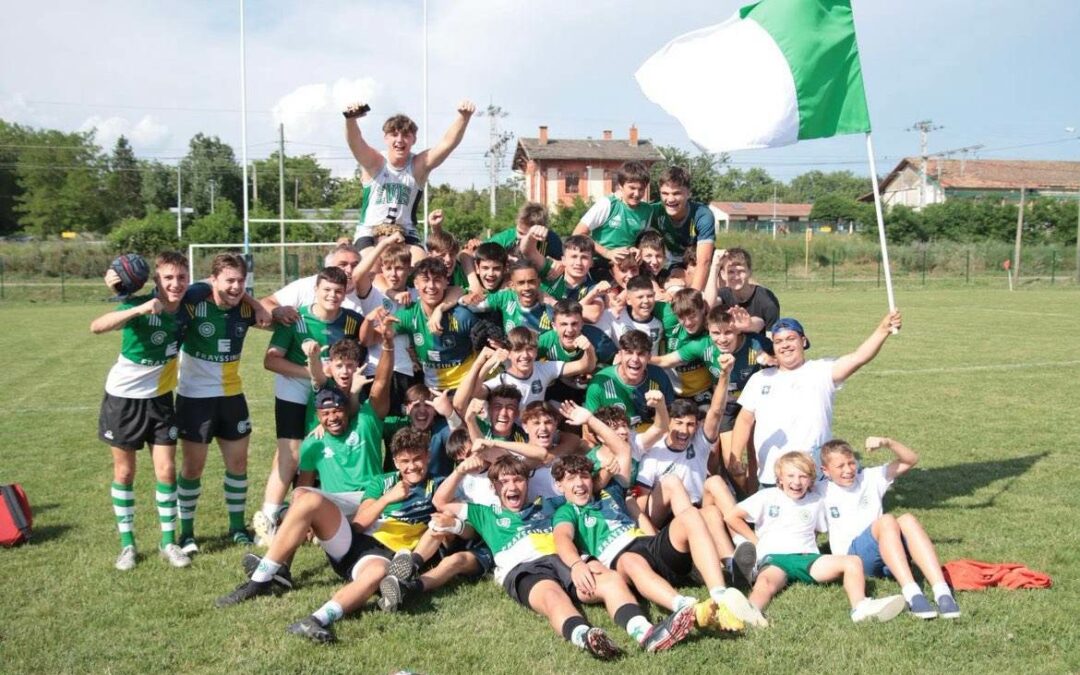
457, 528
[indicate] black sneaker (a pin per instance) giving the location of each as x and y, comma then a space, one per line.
403, 566
245, 591
744, 566
600, 645
282, 578
310, 628
671, 631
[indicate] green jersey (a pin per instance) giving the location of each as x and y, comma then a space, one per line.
614, 224
345, 463
607, 388
602, 528
446, 358
559, 288
551, 247
691, 378
516, 435
289, 341
514, 537
212, 346
699, 226
539, 317
401, 524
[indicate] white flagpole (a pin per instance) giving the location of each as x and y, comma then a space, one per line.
425, 84
880, 224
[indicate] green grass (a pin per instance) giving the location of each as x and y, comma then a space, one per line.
981, 382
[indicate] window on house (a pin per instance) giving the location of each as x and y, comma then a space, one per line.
572, 180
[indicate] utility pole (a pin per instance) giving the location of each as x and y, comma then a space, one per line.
1019, 238
296, 194
924, 127
211, 195
255, 184
496, 149
281, 196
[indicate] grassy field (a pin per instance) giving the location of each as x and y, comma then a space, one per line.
983, 383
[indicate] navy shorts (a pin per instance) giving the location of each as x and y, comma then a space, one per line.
866, 547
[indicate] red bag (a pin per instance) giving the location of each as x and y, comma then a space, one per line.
15, 515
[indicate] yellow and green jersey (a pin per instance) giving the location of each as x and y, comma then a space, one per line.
149, 345
514, 537
691, 377
602, 528
290, 340
539, 317
401, 524
210, 365
446, 358
699, 226
607, 388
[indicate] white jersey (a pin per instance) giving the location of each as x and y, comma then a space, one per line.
691, 465
403, 362
476, 488
542, 484
784, 525
534, 386
391, 196
849, 511
301, 293
792, 412
624, 323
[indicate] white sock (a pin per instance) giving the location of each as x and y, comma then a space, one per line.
265, 571
682, 601
270, 510
329, 613
910, 591
717, 594
638, 628
577, 638
941, 589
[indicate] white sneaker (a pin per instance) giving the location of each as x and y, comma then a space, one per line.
188, 546
265, 528
881, 609
174, 554
741, 607
126, 560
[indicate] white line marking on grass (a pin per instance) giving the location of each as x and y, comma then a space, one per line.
1017, 311
971, 369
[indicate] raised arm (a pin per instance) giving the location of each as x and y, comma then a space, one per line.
119, 318
715, 415
370, 509
586, 364
472, 383
655, 399
905, 456
313, 351
366, 156
384, 370
845, 366
369, 260
428, 160
712, 281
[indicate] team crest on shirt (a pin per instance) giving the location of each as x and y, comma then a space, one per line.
353, 439
206, 329
590, 521
536, 387
240, 329
864, 501
502, 522
449, 341
417, 339
774, 511
158, 337
804, 516
765, 389
387, 305
834, 512
327, 453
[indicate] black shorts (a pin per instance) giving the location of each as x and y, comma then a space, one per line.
201, 420
131, 423
667, 561
366, 242
479, 551
289, 419
731, 411
362, 545
560, 391
520, 581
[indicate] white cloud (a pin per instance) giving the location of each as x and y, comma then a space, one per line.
304, 110
146, 134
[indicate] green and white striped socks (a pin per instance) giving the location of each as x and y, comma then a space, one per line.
166, 508
235, 499
123, 503
187, 493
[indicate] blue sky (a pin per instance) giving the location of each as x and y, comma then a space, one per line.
990, 72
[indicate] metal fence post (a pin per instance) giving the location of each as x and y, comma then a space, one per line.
924, 267
786, 282
832, 260
967, 268
1053, 265
63, 290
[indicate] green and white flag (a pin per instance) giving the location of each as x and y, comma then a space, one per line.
777, 72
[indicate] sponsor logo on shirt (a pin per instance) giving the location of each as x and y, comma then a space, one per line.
206, 329
224, 345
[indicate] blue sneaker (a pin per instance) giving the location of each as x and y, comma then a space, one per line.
948, 608
921, 608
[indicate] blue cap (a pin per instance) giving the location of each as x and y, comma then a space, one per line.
787, 323
329, 398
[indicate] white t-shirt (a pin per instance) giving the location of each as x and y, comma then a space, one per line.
691, 465
402, 361
301, 293
851, 510
476, 488
597, 214
792, 412
784, 525
542, 484
533, 387
624, 323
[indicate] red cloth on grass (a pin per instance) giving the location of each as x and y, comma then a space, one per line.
974, 575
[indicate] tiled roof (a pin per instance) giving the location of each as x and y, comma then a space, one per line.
995, 174
763, 209
573, 148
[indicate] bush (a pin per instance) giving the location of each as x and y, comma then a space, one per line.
146, 236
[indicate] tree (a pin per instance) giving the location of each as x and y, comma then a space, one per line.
146, 236
13, 138
812, 185
60, 179
751, 185
303, 174
704, 171
209, 159
158, 188
124, 183
903, 225
838, 209
223, 226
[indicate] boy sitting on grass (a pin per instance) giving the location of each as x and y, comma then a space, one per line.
786, 519
886, 544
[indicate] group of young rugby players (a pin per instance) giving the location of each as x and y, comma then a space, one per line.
622, 413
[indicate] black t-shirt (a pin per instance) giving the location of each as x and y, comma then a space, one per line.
761, 303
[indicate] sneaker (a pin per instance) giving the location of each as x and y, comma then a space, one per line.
744, 566
921, 608
948, 608
241, 537
600, 645
671, 631
390, 594
175, 556
245, 591
881, 609
741, 608
403, 566
282, 578
720, 618
188, 546
126, 560
265, 528
310, 628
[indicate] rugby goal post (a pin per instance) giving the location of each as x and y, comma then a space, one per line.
239, 246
